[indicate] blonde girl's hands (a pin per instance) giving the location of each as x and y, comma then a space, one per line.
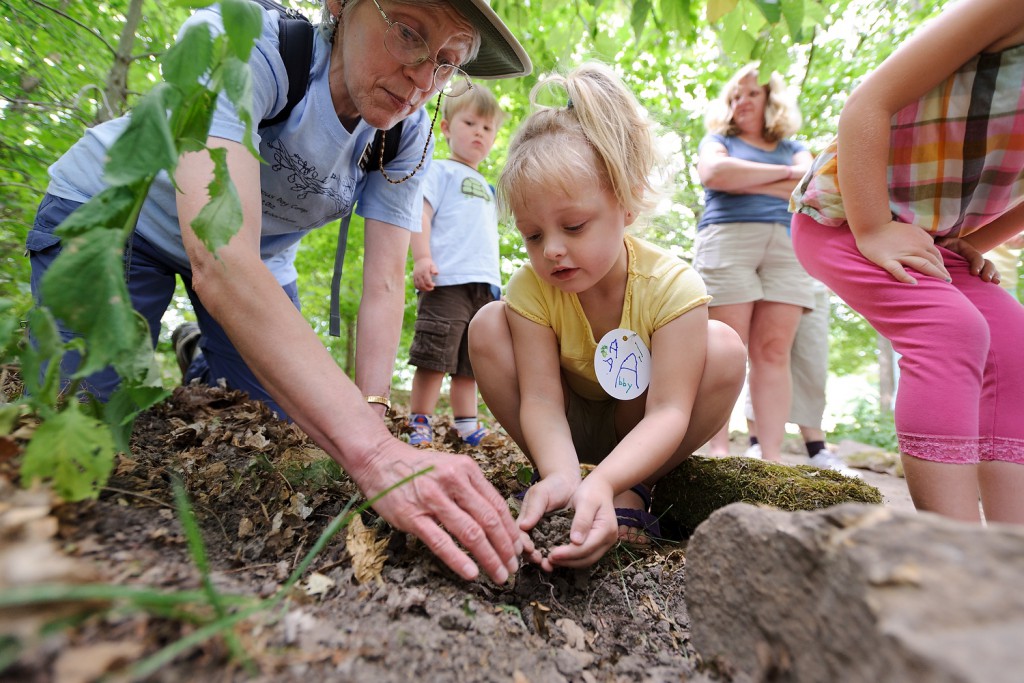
594, 530
896, 246
553, 492
978, 264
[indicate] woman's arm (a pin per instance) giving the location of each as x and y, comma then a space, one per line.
381, 307
932, 55
453, 499
719, 171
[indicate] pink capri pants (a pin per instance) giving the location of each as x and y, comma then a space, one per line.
961, 389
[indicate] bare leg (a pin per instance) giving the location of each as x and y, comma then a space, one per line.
772, 330
426, 388
811, 433
1002, 491
719, 387
944, 488
494, 365
736, 316
463, 396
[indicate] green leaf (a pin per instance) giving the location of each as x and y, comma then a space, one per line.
46, 347
735, 39
243, 22
105, 317
191, 122
124, 406
793, 11
146, 146
717, 9
638, 16
113, 208
221, 218
775, 57
237, 82
72, 449
770, 9
677, 15
189, 59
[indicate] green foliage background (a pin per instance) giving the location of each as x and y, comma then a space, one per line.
59, 60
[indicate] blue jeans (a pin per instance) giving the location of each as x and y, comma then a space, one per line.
151, 280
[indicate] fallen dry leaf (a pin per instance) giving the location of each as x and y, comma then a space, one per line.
89, 662
318, 584
366, 551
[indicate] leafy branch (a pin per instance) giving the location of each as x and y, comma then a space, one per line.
76, 441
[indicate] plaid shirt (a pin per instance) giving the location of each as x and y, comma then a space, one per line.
956, 156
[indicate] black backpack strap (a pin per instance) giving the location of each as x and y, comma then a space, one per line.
370, 160
296, 47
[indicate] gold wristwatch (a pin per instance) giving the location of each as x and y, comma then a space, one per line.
383, 400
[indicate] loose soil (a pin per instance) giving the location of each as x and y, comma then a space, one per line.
374, 606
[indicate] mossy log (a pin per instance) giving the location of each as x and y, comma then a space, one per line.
701, 485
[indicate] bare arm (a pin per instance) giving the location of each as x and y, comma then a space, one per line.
678, 351
719, 171
1006, 228
424, 269
542, 418
453, 499
381, 307
935, 52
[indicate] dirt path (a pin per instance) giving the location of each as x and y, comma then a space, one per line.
374, 605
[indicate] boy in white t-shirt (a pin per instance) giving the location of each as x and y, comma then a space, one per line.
455, 265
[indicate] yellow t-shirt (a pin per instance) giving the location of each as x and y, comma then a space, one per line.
660, 287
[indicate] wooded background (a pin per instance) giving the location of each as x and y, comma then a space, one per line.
65, 66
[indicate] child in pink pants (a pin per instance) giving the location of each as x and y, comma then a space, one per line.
932, 174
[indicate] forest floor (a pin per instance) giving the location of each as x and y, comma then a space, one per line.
373, 605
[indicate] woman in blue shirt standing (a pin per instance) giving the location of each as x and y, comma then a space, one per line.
749, 168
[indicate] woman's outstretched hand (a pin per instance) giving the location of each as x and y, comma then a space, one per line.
452, 501
897, 246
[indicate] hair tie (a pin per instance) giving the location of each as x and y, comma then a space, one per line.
568, 103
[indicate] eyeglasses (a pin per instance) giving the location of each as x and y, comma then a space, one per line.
410, 49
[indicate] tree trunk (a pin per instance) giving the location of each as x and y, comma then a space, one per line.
886, 375
116, 90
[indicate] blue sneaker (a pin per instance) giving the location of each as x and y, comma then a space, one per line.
422, 431
475, 438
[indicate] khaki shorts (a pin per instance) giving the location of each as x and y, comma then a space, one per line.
744, 262
808, 364
592, 425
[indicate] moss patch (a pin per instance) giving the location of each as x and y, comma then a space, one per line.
701, 485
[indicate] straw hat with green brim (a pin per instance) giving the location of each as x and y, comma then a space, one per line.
501, 55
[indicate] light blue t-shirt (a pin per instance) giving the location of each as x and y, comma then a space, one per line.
725, 207
464, 231
312, 174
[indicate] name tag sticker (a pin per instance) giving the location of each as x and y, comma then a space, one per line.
623, 364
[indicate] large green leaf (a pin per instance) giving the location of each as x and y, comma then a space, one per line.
73, 450
221, 218
243, 22
717, 9
46, 348
189, 59
113, 208
105, 316
147, 146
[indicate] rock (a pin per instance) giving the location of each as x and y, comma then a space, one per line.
857, 593
700, 485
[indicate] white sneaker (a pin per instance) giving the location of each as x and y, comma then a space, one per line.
827, 460
753, 452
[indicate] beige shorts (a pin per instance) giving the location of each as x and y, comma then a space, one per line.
744, 262
808, 364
